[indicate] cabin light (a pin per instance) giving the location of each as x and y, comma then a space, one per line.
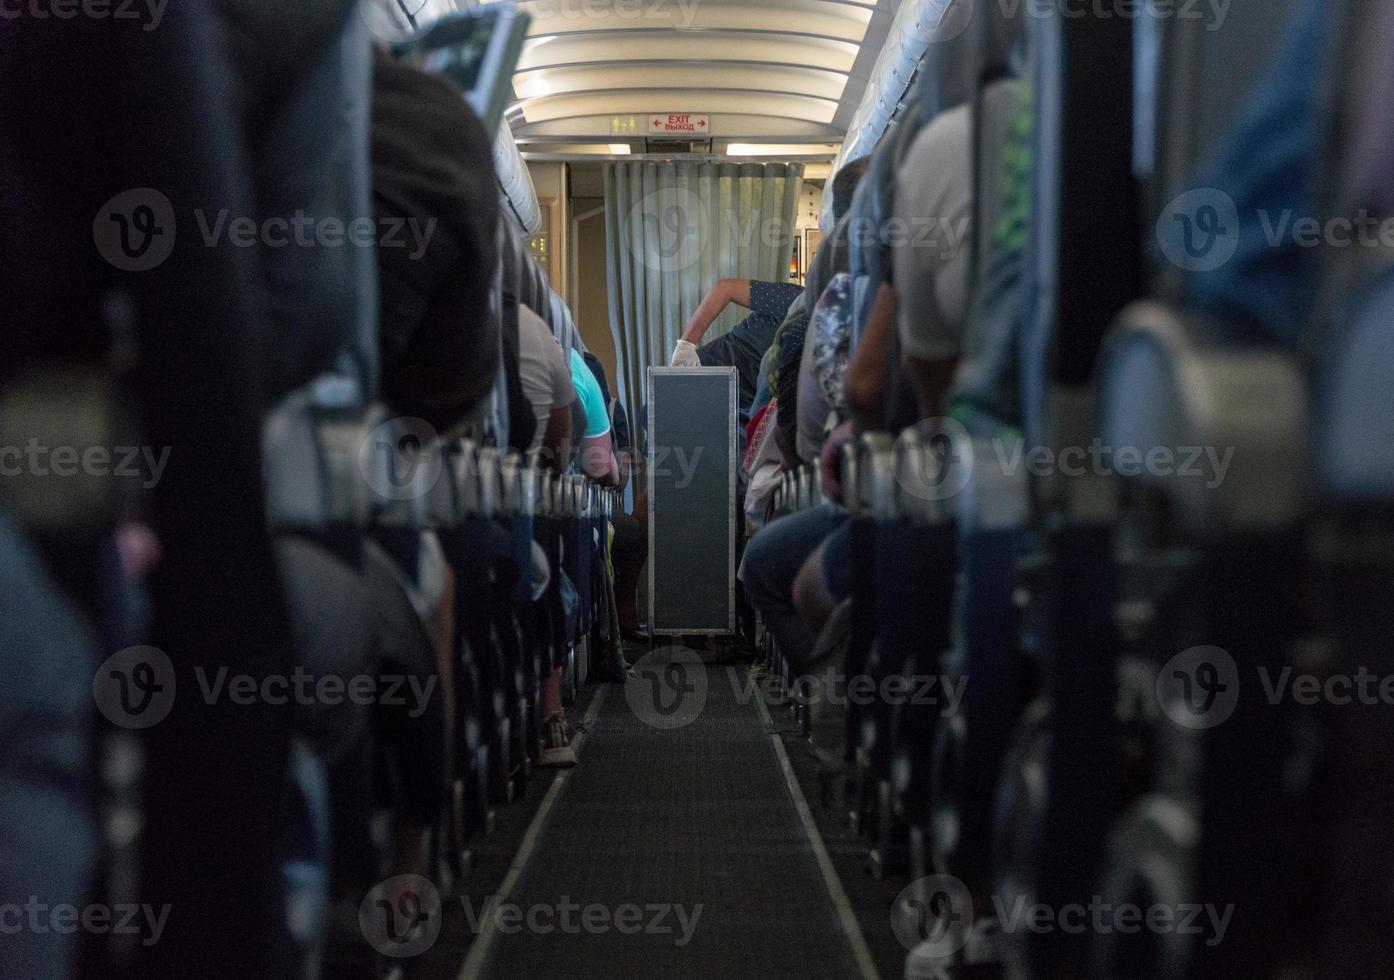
620, 149
779, 149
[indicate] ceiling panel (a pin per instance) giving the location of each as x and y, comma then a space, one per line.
742, 60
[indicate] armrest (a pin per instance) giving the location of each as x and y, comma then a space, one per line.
1355, 401
1222, 431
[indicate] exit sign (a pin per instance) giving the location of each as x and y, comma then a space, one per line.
679, 123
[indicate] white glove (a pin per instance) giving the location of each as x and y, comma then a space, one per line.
685, 355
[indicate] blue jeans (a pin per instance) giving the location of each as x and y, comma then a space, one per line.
772, 561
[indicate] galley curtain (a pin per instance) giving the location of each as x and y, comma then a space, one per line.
671, 231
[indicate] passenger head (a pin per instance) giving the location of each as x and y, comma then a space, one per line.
845, 185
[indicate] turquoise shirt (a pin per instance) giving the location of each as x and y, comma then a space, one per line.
592, 400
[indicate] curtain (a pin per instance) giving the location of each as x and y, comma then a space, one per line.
672, 230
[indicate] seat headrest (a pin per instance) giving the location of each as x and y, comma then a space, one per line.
946, 74
1207, 75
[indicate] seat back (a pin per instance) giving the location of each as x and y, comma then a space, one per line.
1356, 356
1206, 74
1083, 191
869, 253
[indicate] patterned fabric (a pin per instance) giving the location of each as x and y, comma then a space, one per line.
987, 380
773, 298
786, 387
1010, 233
831, 334
746, 343
755, 433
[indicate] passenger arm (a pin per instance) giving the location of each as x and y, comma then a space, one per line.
598, 460
723, 293
866, 373
931, 380
556, 440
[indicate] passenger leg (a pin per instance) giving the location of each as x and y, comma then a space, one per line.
413, 726
772, 562
824, 580
556, 750
631, 553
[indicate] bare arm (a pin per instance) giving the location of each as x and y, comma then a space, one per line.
931, 380
556, 441
725, 291
598, 460
866, 373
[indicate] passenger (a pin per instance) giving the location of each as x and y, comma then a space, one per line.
522, 426
744, 346
821, 398
630, 541
595, 454
924, 307
546, 384
433, 160
784, 358
775, 555
438, 346
595, 457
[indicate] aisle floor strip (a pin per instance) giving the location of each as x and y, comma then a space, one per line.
479, 950
851, 928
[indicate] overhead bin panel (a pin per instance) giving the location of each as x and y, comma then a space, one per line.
812, 82
642, 101
713, 47
810, 18
831, 18
764, 67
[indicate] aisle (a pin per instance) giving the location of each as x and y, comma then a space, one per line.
676, 852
